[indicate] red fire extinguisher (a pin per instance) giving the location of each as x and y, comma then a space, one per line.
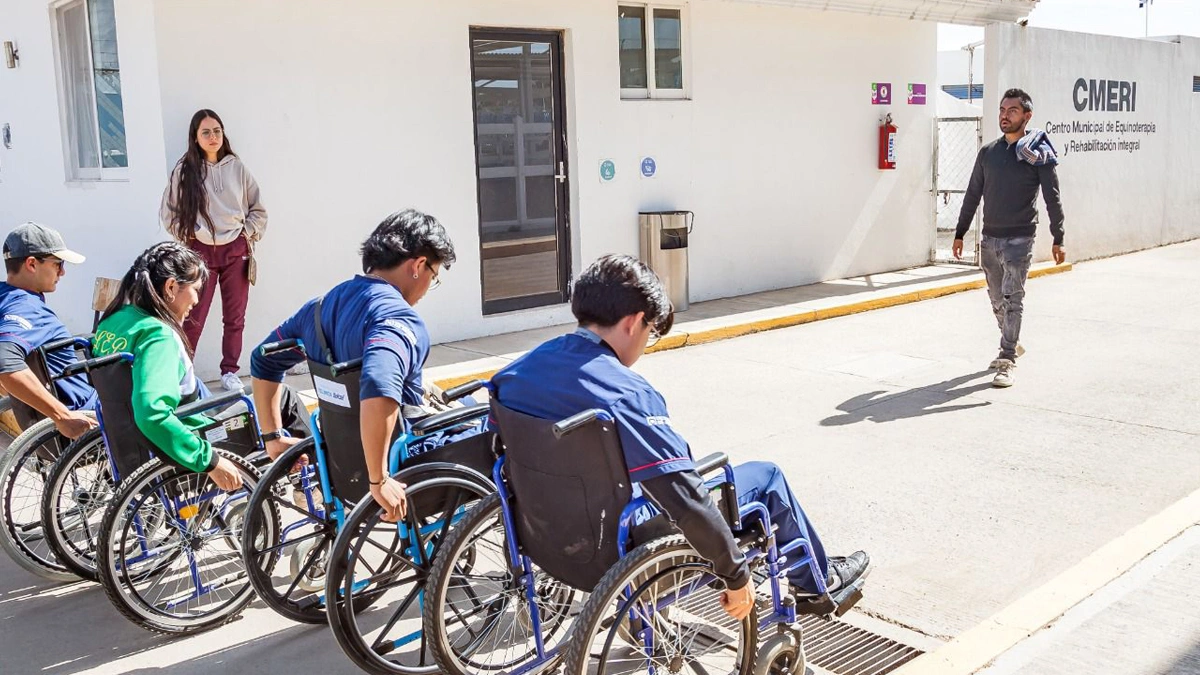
887, 143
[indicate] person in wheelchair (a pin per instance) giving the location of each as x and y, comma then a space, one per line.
371, 316
621, 306
146, 319
34, 258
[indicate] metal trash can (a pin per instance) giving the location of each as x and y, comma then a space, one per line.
664, 247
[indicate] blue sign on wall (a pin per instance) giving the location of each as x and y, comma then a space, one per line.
649, 167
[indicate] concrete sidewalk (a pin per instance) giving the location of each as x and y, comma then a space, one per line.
456, 362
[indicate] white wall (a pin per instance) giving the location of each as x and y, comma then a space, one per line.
109, 222
345, 113
1115, 201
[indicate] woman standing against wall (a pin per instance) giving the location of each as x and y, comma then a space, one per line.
213, 206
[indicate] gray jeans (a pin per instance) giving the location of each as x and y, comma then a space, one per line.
1006, 262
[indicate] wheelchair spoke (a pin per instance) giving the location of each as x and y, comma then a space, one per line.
391, 622
312, 558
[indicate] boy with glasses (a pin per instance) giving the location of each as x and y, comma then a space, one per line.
371, 316
34, 257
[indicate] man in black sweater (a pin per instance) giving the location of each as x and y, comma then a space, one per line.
1008, 173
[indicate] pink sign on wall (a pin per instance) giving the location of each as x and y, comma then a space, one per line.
916, 94
881, 93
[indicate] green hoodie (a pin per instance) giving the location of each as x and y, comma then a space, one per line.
162, 376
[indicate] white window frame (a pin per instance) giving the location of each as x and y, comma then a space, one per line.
75, 172
651, 90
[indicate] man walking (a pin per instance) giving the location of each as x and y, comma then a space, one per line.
1008, 172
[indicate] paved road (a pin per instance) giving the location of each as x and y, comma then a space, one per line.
966, 496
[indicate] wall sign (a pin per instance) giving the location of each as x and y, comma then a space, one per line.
608, 170
916, 94
649, 167
881, 93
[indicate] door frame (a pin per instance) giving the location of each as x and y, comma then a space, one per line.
562, 192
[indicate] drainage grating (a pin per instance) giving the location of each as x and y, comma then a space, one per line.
843, 649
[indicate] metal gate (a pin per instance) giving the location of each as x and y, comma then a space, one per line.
955, 146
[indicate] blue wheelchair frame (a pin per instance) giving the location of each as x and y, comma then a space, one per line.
172, 505
398, 454
778, 565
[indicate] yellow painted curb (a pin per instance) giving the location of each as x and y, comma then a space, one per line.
979, 646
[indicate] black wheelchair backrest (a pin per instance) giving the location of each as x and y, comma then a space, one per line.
337, 399
129, 447
567, 494
36, 361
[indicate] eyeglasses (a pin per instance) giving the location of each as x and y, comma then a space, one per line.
57, 262
658, 330
208, 134
435, 282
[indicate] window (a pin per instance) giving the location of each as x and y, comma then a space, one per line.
93, 111
651, 50
1196, 85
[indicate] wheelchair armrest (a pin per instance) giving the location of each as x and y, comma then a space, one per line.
94, 364
209, 403
345, 367
455, 393
269, 348
448, 419
711, 463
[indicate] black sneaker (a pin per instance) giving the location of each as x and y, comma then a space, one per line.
843, 571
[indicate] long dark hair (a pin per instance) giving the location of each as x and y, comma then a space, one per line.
191, 203
142, 286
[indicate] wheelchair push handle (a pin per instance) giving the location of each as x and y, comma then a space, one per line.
575, 422
455, 393
76, 341
270, 348
95, 364
711, 463
345, 367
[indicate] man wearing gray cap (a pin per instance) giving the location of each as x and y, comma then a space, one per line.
34, 257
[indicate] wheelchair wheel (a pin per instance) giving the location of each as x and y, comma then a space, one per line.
781, 655
286, 545
79, 487
164, 554
477, 617
695, 635
24, 467
384, 566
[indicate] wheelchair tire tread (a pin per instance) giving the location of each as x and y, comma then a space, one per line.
9, 460
275, 472
104, 566
69, 456
595, 610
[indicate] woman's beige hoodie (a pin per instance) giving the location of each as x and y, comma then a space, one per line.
234, 204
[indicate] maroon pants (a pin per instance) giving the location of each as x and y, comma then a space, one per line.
228, 266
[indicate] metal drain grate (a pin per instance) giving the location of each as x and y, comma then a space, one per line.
843, 649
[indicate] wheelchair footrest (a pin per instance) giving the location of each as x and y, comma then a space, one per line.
833, 604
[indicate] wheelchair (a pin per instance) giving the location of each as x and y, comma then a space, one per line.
167, 549
326, 475
25, 467
652, 603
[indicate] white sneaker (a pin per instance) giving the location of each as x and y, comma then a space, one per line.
231, 382
1004, 373
996, 361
